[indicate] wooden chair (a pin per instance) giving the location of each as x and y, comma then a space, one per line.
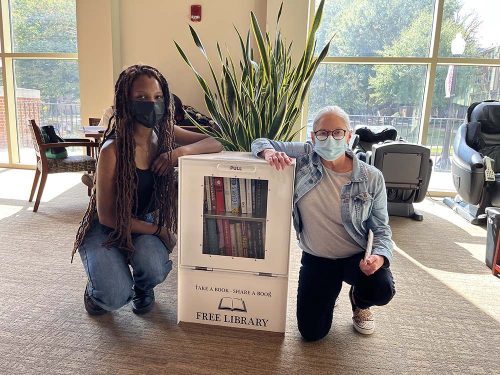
94, 121
44, 165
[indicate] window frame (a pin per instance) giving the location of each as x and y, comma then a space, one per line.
431, 62
7, 58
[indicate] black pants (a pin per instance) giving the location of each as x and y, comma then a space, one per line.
320, 282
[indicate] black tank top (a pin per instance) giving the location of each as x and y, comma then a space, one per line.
145, 188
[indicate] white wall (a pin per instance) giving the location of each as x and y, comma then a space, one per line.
113, 34
95, 56
294, 22
152, 40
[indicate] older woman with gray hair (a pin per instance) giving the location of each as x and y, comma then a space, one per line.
338, 199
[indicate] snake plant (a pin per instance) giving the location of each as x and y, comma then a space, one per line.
263, 99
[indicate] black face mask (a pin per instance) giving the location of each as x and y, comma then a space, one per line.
148, 114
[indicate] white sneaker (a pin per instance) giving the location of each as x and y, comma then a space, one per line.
362, 319
363, 322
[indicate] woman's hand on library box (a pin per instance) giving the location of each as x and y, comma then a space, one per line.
277, 159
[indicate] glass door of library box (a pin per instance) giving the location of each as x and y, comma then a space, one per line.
234, 213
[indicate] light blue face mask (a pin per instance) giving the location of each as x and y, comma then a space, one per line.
330, 149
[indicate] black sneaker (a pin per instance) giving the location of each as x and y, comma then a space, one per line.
143, 301
91, 307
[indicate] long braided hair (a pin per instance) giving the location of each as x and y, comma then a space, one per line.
121, 129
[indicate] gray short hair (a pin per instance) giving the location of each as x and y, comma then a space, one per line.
335, 110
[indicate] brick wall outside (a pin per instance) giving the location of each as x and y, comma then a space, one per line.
27, 109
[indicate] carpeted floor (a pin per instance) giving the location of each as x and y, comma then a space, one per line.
444, 319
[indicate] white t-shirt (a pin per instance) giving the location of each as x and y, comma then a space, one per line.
323, 233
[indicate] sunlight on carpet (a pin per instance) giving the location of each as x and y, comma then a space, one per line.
8, 210
57, 184
469, 286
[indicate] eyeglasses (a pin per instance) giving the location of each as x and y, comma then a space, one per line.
322, 135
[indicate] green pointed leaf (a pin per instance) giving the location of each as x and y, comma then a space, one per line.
197, 41
278, 119
260, 45
263, 99
221, 59
279, 14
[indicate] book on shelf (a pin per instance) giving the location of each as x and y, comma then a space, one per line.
244, 239
250, 240
205, 197
219, 195
212, 238
235, 196
243, 195
232, 304
259, 245
227, 238
248, 189
227, 194
232, 228
263, 198
235, 237
205, 237
208, 194
220, 231
258, 197
213, 198
253, 182
239, 244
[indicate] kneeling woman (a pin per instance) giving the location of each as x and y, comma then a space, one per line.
124, 239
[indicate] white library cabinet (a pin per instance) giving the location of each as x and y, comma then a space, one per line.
234, 241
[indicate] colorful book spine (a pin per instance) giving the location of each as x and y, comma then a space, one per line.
243, 195
232, 227
227, 238
212, 239
207, 206
213, 199
227, 193
219, 195
263, 198
257, 198
239, 242
259, 241
244, 239
205, 237
251, 247
254, 212
249, 195
235, 196
220, 231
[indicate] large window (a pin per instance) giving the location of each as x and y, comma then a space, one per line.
384, 53
4, 150
41, 79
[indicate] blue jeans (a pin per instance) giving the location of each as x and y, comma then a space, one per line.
110, 277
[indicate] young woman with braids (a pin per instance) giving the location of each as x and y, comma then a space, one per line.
132, 211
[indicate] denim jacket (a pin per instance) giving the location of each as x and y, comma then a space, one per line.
364, 198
